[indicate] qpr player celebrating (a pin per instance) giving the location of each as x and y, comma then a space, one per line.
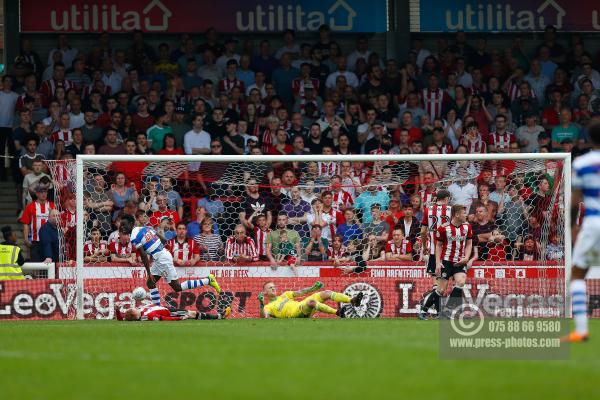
453, 248
149, 246
586, 187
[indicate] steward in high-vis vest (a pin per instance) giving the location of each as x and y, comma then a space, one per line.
11, 258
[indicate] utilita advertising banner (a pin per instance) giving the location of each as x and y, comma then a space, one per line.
175, 16
504, 16
389, 292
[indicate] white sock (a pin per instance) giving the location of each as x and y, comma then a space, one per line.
579, 302
155, 296
194, 283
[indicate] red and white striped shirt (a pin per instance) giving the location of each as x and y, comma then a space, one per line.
183, 251
434, 216
303, 103
35, 215
433, 102
328, 168
122, 250
266, 140
333, 253
337, 218
90, 248
476, 146
454, 240
157, 313
65, 136
446, 149
298, 86
246, 248
426, 197
225, 85
48, 87
68, 219
341, 200
512, 89
260, 237
399, 249
502, 142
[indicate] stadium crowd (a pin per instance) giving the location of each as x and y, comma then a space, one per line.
223, 97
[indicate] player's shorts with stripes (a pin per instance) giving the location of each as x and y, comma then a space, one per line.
449, 269
586, 251
163, 266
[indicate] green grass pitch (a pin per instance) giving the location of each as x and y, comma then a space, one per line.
270, 359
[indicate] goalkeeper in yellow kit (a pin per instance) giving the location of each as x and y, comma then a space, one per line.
285, 305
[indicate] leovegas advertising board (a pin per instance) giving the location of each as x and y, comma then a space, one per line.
175, 16
389, 291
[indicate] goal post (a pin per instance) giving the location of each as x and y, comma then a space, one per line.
557, 213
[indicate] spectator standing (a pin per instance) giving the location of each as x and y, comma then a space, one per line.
156, 133
34, 216
283, 77
8, 101
11, 256
49, 238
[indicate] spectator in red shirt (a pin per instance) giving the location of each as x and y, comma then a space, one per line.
185, 251
142, 119
34, 216
240, 248
123, 251
163, 211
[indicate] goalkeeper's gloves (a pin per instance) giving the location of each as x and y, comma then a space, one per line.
261, 299
318, 285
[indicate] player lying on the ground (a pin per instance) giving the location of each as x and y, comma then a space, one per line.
153, 312
149, 245
285, 305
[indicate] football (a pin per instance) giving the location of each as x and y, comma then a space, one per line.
139, 293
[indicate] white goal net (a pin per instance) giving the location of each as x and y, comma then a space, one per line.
351, 222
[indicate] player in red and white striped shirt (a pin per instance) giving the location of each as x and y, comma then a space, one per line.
185, 251
123, 251
153, 312
500, 141
434, 216
261, 230
240, 248
453, 256
399, 248
95, 249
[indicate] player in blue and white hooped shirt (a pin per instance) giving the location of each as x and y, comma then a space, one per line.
158, 261
586, 239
